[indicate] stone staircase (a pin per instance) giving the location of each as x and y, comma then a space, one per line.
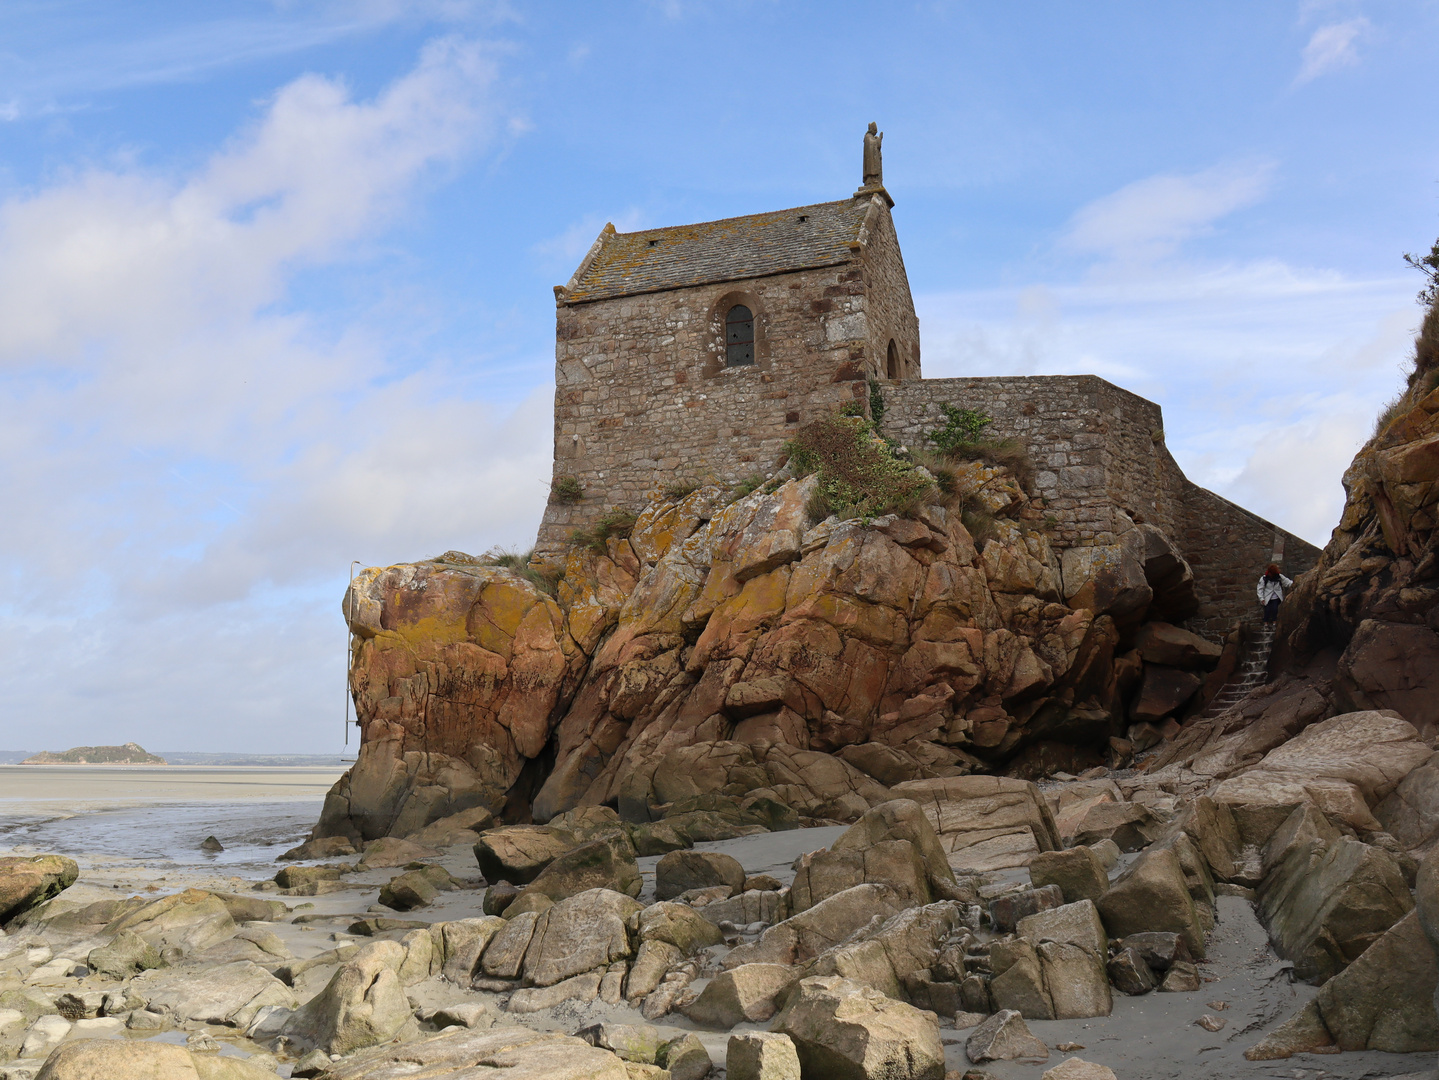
1251, 672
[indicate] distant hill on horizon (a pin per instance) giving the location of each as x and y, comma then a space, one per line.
195, 757
128, 754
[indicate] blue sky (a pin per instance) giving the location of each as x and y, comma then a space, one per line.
275, 277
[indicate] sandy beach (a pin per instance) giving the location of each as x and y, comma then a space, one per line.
137, 830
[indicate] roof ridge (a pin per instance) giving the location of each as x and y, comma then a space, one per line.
741, 217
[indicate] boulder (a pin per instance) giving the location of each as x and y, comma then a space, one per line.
230, 994
851, 1032
296, 877
902, 820
582, 988
761, 1055
1385, 999
517, 853
112, 1059
1153, 895
1076, 980
742, 994
579, 934
887, 954
1391, 665
1163, 692
1129, 974
391, 851
29, 880
1006, 911
766, 906
827, 924
1324, 905
1167, 645
1410, 813
463, 941
1018, 982
1181, 978
984, 822
1130, 826
1160, 951
363, 1004
1073, 924
1076, 1069
1346, 765
127, 954
322, 847
1305, 827
498, 898
685, 1058
1003, 1037
598, 864
679, 924
680, 871
515, 1052
1076, 871
415, 888
652, 961
470, 1014
460, 828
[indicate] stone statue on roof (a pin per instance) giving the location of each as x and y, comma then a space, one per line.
873, 164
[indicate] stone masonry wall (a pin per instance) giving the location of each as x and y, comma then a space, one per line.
1100, 459
889, 305
1058, 418
642, 396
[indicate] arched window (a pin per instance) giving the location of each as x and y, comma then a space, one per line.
739, 336
892, 363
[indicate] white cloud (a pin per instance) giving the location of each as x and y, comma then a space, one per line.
1150, 218
1331, 47
188, 463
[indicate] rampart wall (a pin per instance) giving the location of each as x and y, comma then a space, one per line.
1100, 463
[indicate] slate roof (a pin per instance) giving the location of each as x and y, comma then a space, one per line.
729, 250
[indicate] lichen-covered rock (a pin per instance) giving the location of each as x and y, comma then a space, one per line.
29, 880
723, 646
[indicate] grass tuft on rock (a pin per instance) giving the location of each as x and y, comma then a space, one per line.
858, 473
961, 438
613, 522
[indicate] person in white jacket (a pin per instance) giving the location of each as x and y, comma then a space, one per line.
1271, 592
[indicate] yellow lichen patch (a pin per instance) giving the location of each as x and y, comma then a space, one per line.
496, 617
759, 602
428, 631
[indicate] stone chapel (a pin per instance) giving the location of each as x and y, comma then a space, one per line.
692, 352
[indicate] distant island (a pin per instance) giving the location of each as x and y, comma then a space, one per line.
129, 754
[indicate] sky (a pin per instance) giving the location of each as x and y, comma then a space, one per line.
276, 276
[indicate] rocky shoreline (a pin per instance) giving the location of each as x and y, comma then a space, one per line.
1189, 925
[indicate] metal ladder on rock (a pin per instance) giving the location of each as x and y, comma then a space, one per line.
1251, 672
